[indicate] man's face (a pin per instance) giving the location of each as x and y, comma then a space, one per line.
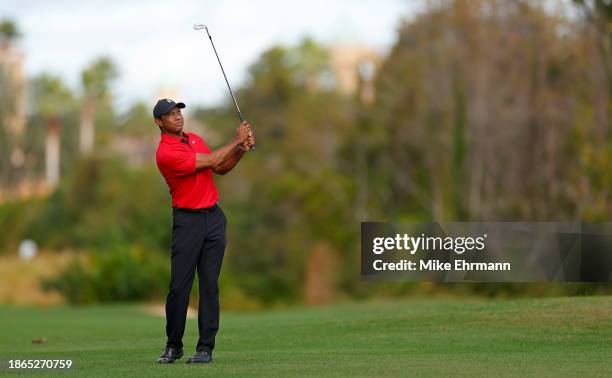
171, 122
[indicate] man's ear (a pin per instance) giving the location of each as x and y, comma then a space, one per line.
158, 122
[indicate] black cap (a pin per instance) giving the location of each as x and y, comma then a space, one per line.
164, 106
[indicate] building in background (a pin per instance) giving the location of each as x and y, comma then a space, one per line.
354, 67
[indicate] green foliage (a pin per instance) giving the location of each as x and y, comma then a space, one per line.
17, 216
470, 131
9, 30
103, 203
137, 121
121, 274
12, 92
604, 7
96, 78
100, 204
51, 96
297, 192
7, 106
54, 108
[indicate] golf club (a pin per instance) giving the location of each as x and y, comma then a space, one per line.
200, 27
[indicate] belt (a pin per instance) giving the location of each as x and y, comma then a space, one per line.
201, 210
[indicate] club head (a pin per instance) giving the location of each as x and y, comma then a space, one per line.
199, 26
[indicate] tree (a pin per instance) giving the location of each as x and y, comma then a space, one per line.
52, 100
9, 31
596, 151
290, 200
11, 92
599, 14
137, 121
96, 81
479, 104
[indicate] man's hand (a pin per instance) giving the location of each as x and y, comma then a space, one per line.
247, 144
242, 132
218, 158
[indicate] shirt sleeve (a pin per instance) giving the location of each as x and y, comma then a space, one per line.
178, 161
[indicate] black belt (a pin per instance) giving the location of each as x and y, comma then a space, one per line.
201, 210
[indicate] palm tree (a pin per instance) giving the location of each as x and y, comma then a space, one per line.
11, 93
96, 81
8, 32
52, 100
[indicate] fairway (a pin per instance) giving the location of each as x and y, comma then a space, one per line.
424, 337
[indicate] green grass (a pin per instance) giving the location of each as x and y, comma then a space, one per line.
528, 337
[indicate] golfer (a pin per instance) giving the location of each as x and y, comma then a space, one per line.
198, 224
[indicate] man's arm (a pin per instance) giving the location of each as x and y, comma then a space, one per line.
231, 162
236, 156
220, 156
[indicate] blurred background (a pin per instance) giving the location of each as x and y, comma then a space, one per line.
463, 110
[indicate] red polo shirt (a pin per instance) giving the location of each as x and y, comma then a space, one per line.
176, 160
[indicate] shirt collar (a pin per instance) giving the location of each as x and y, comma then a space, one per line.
172, 139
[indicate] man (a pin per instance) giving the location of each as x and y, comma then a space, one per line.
198, 224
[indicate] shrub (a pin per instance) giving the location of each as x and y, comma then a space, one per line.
119, 274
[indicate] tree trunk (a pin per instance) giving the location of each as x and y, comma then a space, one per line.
87, 135
53, 152
321, 269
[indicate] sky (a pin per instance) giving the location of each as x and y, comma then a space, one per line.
155, 47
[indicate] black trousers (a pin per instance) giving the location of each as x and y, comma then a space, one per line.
198, 242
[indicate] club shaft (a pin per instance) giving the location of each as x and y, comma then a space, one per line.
225, 77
